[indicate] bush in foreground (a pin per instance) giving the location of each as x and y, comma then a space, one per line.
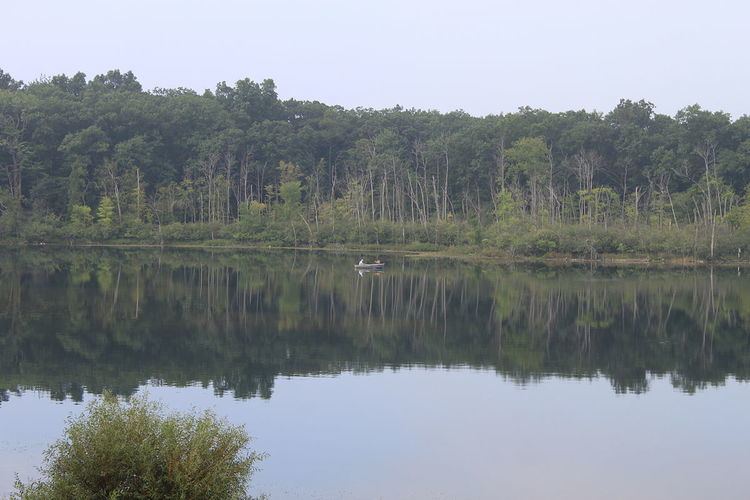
135, 450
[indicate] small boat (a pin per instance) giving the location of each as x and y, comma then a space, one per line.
370, 267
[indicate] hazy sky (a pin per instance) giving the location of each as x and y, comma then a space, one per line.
479, 56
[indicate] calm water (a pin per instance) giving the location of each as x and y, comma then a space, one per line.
435, 379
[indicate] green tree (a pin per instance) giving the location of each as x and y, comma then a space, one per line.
508, 209
106, 212
11, 214
76, 183
252, 219
529, 158
15, 150
115, 80
8, 83
137, 450
291, 194
80, 216
83, 150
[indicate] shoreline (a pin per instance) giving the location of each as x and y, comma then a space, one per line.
466, 254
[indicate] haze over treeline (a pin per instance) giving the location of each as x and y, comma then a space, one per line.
104, 156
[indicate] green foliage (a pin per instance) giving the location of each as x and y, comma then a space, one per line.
543, 242
328, 175
508, 209
291, 194
80, 216
288, 172
601, 203
136, 450
422, 247
8, 83
252, 221
593, 242
76, 182
42, 229
180, 232
529, 156
739, 216
106, 212
11, 215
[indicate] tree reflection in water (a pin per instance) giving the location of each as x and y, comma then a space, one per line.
75, 321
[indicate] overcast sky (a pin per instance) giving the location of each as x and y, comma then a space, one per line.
480, 56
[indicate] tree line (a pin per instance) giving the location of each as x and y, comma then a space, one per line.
103, 159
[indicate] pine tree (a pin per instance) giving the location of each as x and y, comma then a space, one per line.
106, 212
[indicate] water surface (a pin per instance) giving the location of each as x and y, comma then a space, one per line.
433, 379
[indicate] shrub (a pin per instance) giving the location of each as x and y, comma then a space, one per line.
451, 233
252, 221
544, 243
133, 228
421, 247
134, 450
178, 231
41, 229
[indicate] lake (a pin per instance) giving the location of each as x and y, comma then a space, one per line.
433, 379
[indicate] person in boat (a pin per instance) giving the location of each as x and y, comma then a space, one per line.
377, 261
361, 262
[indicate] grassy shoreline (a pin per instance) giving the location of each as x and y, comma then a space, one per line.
464, 253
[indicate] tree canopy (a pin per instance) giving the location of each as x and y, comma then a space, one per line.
181, 157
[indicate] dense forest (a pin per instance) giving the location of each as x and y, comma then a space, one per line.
104, 160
